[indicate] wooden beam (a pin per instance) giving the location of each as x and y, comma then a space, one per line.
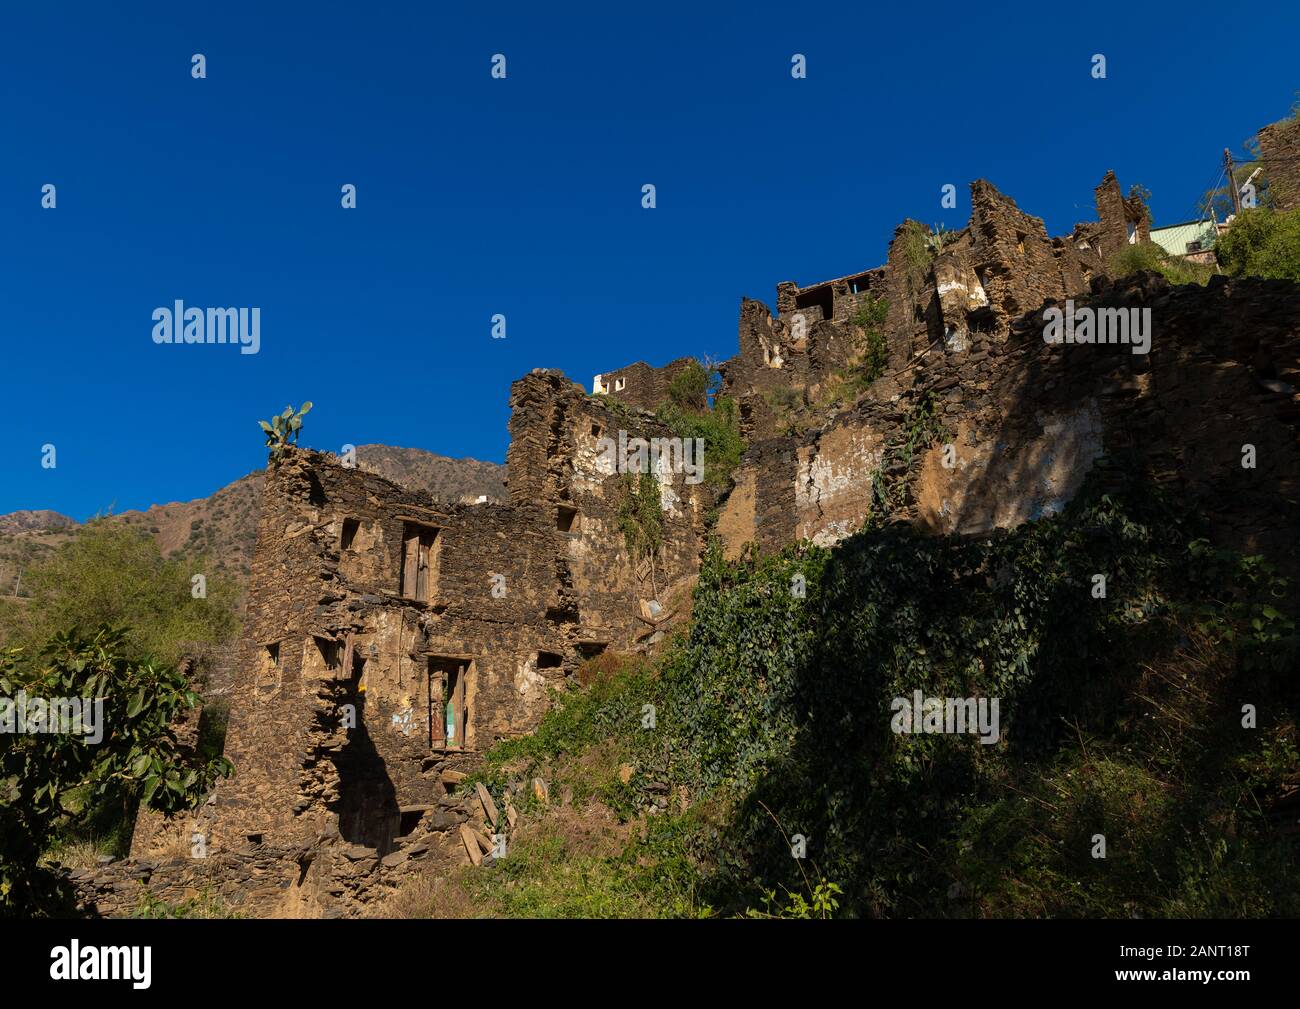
471, 843
489, 807
410, 564
460, 708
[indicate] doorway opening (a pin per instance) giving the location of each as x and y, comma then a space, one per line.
449, 689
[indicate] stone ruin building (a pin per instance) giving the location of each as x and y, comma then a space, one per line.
444, 628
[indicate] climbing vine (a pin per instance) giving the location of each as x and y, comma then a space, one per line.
920, 430
640, 516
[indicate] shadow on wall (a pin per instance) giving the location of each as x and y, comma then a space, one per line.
367, 805
1181, 413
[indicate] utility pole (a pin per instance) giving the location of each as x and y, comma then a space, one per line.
1232, 182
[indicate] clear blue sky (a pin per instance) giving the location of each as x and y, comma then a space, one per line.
518, 196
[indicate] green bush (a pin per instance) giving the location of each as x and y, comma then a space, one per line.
1262, 243
111, 574
875, 351
690, 387
1149, 256
718, 428
48, 777
1118, 716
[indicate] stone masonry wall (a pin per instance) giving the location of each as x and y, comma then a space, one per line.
1279, 147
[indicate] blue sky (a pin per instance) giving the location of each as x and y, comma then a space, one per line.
520, 196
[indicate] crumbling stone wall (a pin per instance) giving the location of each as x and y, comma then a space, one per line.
368, 600
325, 813
560, 449
1012, 257
1279, 148
1028, 421
640, 385
998, 267
1122, 221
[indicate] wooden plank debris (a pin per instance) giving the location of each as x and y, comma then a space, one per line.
471, 843
489, 807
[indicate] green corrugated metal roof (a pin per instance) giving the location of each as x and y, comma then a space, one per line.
1174, 238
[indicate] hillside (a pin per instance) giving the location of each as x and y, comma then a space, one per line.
224, 524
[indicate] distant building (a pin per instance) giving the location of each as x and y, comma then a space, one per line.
1192, 240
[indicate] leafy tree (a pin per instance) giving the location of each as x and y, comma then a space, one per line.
688, 414
640, 517
111, 574
691, 387
1262, 243
871, 317
47, 776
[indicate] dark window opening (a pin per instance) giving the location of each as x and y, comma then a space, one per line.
329, 652
268, 676
549, 660
350, 527
818, 297
410, 819
316, 493
213, 722
565, 517
596, 430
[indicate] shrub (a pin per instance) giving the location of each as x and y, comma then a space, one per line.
871, 318
111, 574
1262, 243
1149, 256
718, 428
690, 387
46, 777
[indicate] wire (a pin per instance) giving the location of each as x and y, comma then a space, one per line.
1200, 207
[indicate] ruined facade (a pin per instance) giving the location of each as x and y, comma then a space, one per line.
1027, 422
639, 384
1001, 265
389, 640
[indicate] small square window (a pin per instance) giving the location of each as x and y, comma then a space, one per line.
566, 518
